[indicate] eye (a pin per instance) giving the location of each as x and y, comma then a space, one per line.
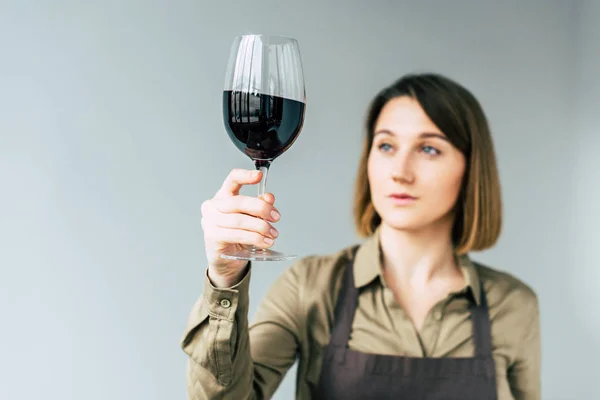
385, 147
432, 151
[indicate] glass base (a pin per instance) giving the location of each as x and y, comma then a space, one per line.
256, 254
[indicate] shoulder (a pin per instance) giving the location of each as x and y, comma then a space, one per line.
320, 270
312, 275
318, 278
507, 294
514, 315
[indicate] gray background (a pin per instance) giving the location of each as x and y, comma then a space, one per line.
111, 137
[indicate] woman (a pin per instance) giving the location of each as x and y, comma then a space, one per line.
406, 314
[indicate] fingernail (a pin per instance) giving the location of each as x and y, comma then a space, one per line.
274, 232
255, 174
268, 240
275, 215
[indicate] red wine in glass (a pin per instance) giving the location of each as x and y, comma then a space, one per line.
260, 125
263, 109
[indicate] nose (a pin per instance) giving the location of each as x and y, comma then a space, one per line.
402, 168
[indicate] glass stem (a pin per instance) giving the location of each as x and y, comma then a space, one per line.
262, 166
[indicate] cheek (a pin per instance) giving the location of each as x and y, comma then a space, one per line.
375, 173
456, 175
447, 181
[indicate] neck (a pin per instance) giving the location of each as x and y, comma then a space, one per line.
418, 257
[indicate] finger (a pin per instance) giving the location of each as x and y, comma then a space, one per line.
236, 179
248, 205
247, 223
269, 198
240, 236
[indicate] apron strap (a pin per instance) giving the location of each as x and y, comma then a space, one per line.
345, 306
482, 332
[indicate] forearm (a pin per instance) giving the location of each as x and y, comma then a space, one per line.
216, 341
228, 359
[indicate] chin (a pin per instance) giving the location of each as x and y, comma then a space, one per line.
406, 224
410, 221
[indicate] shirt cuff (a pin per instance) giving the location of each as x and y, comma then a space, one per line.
221, 303
225, 302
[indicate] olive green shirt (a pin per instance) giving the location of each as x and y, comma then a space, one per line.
232, 359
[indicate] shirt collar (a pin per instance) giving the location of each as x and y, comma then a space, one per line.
367, 267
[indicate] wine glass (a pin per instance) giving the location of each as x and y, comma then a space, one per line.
263, 109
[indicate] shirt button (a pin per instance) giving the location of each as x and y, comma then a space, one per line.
437, 315
225, 303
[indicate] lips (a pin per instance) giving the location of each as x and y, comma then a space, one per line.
402, 196
402, 199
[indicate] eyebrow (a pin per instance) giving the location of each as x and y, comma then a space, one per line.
423, 135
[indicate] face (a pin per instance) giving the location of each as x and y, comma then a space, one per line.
415, 173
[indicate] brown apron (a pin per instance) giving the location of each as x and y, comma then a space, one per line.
350, 375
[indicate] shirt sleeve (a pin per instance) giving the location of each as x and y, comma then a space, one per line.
228, 359
524, 373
